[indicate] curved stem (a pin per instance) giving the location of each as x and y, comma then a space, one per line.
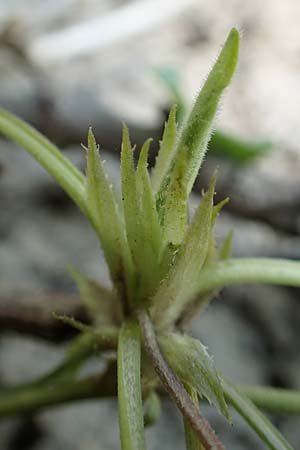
248, 270
36, 397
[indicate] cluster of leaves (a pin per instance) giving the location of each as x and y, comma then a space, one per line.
161, 264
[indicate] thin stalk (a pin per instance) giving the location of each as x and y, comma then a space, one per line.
37, 395
175, 388
34, 398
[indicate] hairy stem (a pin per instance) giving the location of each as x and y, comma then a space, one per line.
175, 388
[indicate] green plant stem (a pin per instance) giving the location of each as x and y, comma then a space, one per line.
248, 270
33, 398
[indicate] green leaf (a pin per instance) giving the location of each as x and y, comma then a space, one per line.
248, 271
239, 150
174, 219
129, 195
108, 221
194, 138
226, 247
100, 301
166, 151
256, 420
212, 254
129, 388
148, 251
47, 154
149, 217
141, 170
175, 292
195, 135
193, 365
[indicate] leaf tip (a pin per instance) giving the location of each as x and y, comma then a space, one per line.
91, 138
229, 55
125, 136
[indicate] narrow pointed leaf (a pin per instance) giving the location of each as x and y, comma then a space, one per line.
248, 271
142, 168
193, 140
109, 225
217, 208
129, 388
47, 154
255, 419
212, 254
148, 251
226, 247
100, 301
193, 365
129, 195
174, 219
147, 205
175, 292
166, 151
237, 149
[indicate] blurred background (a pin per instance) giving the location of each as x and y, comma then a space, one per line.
69, 64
